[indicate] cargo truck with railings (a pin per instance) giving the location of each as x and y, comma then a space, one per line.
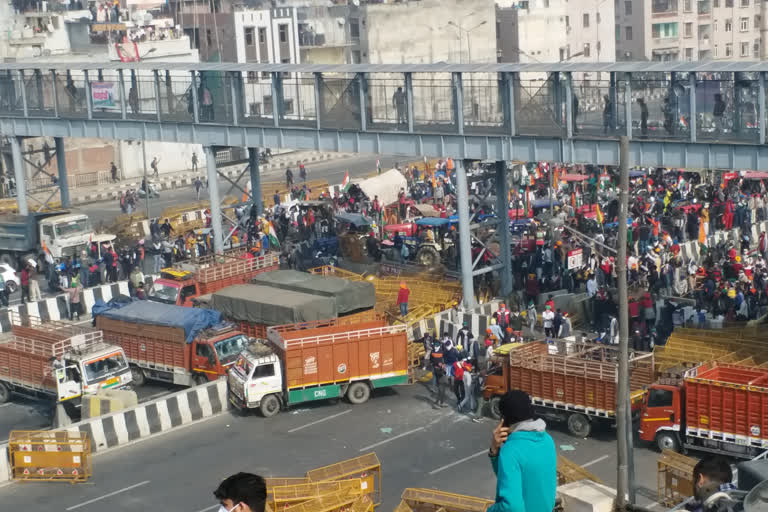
715, 407
58, 362
295, 365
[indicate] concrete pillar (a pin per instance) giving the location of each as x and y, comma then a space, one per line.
253, 167
213, 195
61, 164
465, 246
19, 175
502, 211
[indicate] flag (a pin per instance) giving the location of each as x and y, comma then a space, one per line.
526, 200
683, 122
272, 234
345, 183
599, 214
378, 166
573, 200
554, 180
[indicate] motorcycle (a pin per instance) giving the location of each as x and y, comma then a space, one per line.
152, 191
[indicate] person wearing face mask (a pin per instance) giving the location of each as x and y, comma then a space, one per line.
712, 487
242, 492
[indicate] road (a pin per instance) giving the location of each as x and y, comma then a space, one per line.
418, 447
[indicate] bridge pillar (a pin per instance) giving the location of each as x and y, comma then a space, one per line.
213, 195
465, 246
502, 211
19, 175
61, 164
253, 167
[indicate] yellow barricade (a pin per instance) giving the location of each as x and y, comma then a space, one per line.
417, 499
50, 455
366, 467
290, 495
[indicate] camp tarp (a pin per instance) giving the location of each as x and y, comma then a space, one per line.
349, 295
268, 305
193, 320
386, 186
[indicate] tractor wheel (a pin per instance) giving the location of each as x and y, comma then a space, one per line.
428, 256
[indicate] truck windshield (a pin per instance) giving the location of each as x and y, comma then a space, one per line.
104, 367
164, 293
72, 228
243, 367
229, 349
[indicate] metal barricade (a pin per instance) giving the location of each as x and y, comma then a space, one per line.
50, 455
366, 467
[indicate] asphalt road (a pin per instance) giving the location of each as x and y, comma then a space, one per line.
418, 447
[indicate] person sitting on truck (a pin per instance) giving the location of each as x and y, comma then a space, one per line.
523, 457
712, 478
242, 492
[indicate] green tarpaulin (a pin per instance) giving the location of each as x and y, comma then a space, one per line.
271, 306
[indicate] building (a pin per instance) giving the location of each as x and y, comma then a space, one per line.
669, 30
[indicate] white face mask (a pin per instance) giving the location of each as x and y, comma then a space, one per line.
222, 508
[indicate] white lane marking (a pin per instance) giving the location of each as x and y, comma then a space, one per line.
6, 405
592, 462
94, 500
374, 445
457, 462
209, 508
319, 421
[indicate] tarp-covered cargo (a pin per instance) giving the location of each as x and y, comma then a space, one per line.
267, 305
386, 186
349, 295
192, 320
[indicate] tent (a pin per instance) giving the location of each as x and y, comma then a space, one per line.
386, 186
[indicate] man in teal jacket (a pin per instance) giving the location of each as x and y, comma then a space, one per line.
523, 457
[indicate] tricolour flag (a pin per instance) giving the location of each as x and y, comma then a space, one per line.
345, 183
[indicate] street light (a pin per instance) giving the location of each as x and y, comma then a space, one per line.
466, 31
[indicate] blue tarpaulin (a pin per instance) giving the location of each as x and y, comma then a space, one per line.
193, 320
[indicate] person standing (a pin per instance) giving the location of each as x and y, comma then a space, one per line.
523, 458
25, 283
198, 186
643, 117
34, 286
288, 177
607, 115
113, 171
547, 319
531, 315
194, 163
74, 290
443, 383
155, 171
402, 298
718, 110
399, 104
303, 173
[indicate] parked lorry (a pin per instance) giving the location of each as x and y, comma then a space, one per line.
185, 346
180, 285
568, 381
295, 365
715, 407
62, 233
58, 362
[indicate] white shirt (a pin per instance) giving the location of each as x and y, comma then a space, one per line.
547, 317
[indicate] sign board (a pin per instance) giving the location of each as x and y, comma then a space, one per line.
575, 258
107, 27
104, 95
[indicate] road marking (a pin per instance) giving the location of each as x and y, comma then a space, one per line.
457, 462
6, 405
155, 396
319, 421
653, 505
212, 507
94, 500
599, 459
374, 445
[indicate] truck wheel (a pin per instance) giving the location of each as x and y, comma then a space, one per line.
495, 408
358, 393
579, 425
270, 406
138, 377
200, 379
5, 393
667, 441
12, 286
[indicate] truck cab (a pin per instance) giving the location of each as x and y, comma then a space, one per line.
213, 355
85, 372
66, 235
661, 416
256, 374
175, 287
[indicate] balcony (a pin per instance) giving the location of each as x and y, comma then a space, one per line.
704, 43
664, 8
309, 39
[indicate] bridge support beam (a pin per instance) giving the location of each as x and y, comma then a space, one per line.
502, 211
253, 167
213, 194
465, 246
61, 164
19, 175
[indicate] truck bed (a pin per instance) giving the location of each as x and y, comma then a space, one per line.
235, 271
149, 352
21, 368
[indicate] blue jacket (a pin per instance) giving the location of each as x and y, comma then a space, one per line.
526, 470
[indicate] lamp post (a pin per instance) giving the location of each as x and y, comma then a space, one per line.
466, 31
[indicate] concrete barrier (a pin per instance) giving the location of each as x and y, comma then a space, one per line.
5, 466
107, 401
478, 319
586, 496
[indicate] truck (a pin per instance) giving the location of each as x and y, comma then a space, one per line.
58, 362
573, 382
295, 365
715, 407
61, 232
172, 344
182, 284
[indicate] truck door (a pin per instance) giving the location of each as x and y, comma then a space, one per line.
661, 411
68, 382
266, 379
186, 294
204, 359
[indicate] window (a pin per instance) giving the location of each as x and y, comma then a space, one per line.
283, 31
262, 35
585, 20
252, 76
687, 5
48, 231
546, 4
715, 3
729, 49
586, 49
562, 54
663, 30
354, 29
745, 3
265, 75
660, 398
757, 21
744, 24
287, 106
714, 26
597, 18
728, 25
254, 109
714, 50
744, 49
187, 291
729, 3
250, 40
267, 105
208, 37
205, 351
628, 8
689, 54
688, 29
628, 33
756, 49
567, 22
264, 370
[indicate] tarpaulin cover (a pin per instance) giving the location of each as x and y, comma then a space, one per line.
268, 305
349, 295
386, 186
193, 320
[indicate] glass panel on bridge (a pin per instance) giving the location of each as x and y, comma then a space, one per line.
595, 105
387, 102
71, 93
665, 99
176, 97
10, 93
538, 105
299, 107
433, 101
40, 93
214, 97
257, 94
483, 106
340, 101
140, 89
727, 106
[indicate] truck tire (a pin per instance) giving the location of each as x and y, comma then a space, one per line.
579, 425
495, 408
358, 393
138, 377
200, 379
12, 286
667, 441
5, 393
270, 405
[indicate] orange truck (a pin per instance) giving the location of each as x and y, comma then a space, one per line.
567, 381
296, 365
180, 285
715, 407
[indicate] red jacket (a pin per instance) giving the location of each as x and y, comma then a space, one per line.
402, 296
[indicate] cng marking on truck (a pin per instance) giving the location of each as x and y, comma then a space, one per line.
319, 421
